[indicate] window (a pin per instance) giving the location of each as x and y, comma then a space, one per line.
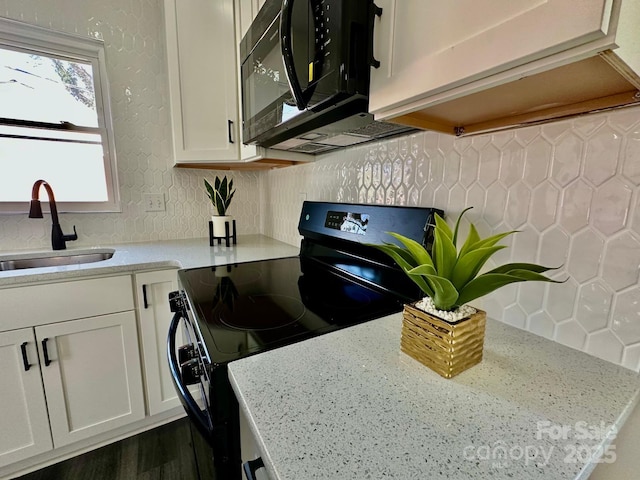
55, 121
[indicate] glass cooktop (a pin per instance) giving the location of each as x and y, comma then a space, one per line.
250, 307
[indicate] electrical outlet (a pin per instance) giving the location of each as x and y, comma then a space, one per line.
153, 202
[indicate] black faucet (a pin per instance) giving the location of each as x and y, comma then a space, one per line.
58, 238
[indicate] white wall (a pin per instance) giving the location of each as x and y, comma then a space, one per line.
133, 32
571, 187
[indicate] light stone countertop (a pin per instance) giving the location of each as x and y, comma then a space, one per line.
350, 405
153, 255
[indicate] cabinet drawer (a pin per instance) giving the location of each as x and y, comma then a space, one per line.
55, 302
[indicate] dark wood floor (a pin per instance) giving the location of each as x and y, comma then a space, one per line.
162, 453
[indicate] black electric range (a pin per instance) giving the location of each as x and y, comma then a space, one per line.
233, 311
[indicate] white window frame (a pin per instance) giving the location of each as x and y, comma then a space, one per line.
31, 38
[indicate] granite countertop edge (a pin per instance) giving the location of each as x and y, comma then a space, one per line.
145, 256
497, 381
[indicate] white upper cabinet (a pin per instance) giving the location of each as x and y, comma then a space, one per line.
203, 38
202, 66
455, 64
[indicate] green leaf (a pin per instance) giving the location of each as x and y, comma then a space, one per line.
455, 231
422, 270
444, 253
490, 241
442, 226
230, 193
210, 193
220, 194
469, 265
228, 202
405, 264
488, 282
417, 251
445, 294
472, 238
507, 267
401, 251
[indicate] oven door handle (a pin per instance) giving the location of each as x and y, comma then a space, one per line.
197, 416
287, 54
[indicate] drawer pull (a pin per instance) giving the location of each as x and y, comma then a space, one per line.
144, 296
251, 467
45, 352
25, 360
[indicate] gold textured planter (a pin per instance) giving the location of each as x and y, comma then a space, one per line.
446, 348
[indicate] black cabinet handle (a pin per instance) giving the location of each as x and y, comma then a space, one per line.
251, 467
287, 54
25, 360
376, 11
45, 352
230, 130
144, 296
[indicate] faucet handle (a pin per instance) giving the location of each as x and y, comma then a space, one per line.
71, 237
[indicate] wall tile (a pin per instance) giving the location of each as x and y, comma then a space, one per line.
571, 187
586, 252
605, 345
601, 157
626, 319
594, 305
631, 168
576, 205
611, 203
622, 261
567, 159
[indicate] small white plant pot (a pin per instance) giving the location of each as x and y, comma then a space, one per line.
219, 225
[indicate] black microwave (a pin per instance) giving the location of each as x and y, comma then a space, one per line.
305, 70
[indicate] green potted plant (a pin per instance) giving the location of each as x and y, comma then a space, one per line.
442, 331
220, 194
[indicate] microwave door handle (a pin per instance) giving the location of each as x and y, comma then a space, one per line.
287, 54
196, 415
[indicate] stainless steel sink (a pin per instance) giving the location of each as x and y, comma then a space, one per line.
55, 261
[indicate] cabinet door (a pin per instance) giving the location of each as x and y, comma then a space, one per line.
154, 316
24, 425
92, 381
249, 449
201, 55
429, 47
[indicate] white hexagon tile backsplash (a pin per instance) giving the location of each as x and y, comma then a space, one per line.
570, 187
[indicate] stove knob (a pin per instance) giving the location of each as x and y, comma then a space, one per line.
185, 353
191, 371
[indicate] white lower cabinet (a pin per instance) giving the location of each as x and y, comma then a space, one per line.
89, 372
70, 368
91, 375
152, 292
24, 425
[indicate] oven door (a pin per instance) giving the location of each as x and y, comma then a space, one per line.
189, 370
290, 70
214, 410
